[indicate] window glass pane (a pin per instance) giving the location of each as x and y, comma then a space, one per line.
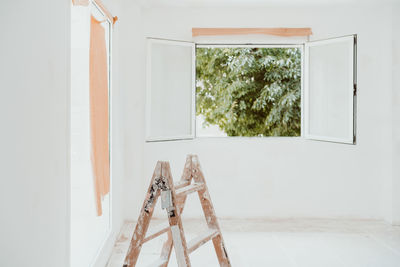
170, 90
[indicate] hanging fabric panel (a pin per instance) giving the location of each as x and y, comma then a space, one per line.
99, 117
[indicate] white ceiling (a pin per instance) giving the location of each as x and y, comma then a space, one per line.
256, 3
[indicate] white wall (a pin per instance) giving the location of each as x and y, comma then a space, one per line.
276, 177
34, 140
131, 74
396, 114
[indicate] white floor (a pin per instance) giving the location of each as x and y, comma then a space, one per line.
283, 243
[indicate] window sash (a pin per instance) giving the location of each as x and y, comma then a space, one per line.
351, 85
161, 137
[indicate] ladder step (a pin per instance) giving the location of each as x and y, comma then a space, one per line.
181, 184
201, 239
189, 189
156, 231
158, 263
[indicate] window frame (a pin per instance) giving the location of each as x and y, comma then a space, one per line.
302, 44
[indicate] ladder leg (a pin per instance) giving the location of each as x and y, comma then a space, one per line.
144, 219
166, 250
209, 213
186, 177
221, 251
175, 222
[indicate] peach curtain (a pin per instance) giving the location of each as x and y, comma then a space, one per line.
99, 117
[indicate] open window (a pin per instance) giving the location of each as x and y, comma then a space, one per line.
311, 86
330, 90
170, 90
248, 90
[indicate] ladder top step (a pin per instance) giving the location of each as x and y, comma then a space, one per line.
158, 263
201, 239
189, 189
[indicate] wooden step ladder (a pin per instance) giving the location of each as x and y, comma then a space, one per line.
173, 198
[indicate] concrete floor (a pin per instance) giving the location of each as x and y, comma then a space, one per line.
283, 243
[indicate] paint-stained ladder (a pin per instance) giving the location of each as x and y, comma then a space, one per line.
173, 197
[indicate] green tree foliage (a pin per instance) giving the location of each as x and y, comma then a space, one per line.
250, 91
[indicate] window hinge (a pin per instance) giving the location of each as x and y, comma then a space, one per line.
355, 89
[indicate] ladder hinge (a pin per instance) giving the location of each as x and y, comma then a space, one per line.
166, 199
